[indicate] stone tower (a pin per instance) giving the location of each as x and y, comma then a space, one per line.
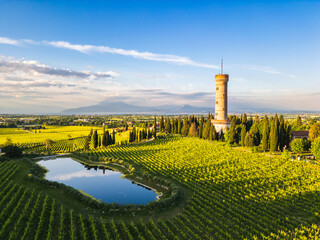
221, 121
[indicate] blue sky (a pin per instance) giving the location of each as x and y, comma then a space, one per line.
56, 55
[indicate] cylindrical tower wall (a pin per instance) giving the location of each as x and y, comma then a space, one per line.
221, 101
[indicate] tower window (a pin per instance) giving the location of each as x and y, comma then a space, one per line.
216, 102
217, 88
216, 114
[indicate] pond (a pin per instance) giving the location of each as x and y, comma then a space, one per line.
102, 183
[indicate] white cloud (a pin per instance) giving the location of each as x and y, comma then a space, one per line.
268, 70
132, 53
4, 40
81, 174
35, 68
106, 49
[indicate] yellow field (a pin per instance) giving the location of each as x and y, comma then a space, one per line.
51, 132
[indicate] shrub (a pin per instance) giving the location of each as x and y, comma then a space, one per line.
306, 144
254, 149
286, 154
297, 145
12, 151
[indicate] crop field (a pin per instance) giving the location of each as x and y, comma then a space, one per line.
230, 194
55, 133
8, 132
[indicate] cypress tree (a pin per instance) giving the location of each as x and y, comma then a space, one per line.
161, 124
86, 142
274, 135
107, 138
200, 129
179, 124
298, 123
243, 134
173, 128
185, 127
281, 133
206, 129
249, 140
255, 133
104, 140
213, 133
244, 119
288, 136
94, 139
226, 135
265, 134
113, 137
232, 131
99, 141
168, 125
193, 130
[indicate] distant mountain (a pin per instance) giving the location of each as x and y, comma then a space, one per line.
107, 107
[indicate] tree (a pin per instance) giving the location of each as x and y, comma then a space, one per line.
249, 140
12, 151
244, 119
226, 135
232, 132
213, 134
265, 134
48, 143
179, 124
113, 137
206, 129
306, 144
155, 127
86, 142
288, 134
94, 139
297, 145
185, 127
243, 134
104, 138
274, 135
314, 131
168, 125
161, 124
298, 122
200, 129
281, 133
107, 137
255, 131
315, 148
193, 130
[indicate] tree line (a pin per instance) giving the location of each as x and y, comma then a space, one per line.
270, 133
94, 140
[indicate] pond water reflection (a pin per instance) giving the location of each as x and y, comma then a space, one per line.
101, 183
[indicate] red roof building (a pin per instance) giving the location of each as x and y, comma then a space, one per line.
300, 134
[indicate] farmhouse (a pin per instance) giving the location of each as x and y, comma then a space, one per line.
300, 134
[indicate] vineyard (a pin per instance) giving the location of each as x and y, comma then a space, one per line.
54, 133
232, 194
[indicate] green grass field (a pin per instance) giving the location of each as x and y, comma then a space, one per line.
228, 194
